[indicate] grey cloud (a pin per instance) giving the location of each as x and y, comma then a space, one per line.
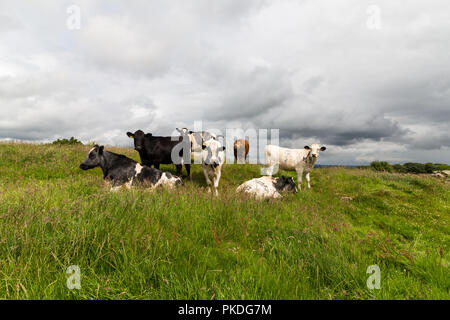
311, 69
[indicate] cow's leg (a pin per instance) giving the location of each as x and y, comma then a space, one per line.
307, 180
216, 183
299, 179
188, 170
208, 181
179, 168
271, 169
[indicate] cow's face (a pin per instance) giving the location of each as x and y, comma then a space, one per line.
213, 153
315, 149
286, 184
183, 131
93, 159
138, 137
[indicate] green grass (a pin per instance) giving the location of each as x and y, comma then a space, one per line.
187, 244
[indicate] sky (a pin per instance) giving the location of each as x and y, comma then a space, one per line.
370, 80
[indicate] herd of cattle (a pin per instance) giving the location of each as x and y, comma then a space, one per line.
121, 171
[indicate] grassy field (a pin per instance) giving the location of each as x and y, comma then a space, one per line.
187, 244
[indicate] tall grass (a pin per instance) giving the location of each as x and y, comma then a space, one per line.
187, 244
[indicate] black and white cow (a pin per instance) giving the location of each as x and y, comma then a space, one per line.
268, 187
123, 171
155, 150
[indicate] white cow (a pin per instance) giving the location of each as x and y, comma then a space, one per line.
300, 160
197, 139
267, 187
213, 157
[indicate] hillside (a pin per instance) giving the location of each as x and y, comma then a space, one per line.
187, 244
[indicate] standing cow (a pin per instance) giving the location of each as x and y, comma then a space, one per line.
197, 138
300, 160
213, 157
155, 150
241, 148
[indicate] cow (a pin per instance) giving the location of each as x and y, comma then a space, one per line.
213, 157
120, 171
299, 160
241, 148
197, 138
268, 187
155, 150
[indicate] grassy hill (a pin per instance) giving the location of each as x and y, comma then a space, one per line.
187, 244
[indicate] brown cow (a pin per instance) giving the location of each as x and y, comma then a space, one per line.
239, 145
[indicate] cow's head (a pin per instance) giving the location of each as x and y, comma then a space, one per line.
138, 137
213, 153
286, 184
93, 158
314, 149
183, 131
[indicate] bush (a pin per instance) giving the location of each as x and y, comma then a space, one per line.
414, 167
409, 167
71, 141
381, 166
399, 168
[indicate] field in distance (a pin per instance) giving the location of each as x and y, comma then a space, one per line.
188, 244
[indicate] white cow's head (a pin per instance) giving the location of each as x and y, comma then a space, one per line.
213, 152
314, 149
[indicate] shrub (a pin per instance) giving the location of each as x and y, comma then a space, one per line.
399, 168
71, 141
414, 167
381, 166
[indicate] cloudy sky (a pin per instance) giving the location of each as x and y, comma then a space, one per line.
368, 79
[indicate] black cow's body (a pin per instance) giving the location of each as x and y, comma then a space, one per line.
155, 150
121, 170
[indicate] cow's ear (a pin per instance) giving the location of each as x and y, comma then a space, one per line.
223, 148
130, 134
100, 150
191, 132
283, 177
307, 147
148, 135
323, 149
203, 146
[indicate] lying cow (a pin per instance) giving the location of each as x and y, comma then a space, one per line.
213, 157
300, 160
268, 187
241, 148
155, 150
123, 171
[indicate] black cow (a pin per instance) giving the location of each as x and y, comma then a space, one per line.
155, 150
121, 170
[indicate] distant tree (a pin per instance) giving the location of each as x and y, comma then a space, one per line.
414, 167
71, 141
399, 168
380, 166
409, 167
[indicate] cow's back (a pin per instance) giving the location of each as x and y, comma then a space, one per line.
159, 150
287, 159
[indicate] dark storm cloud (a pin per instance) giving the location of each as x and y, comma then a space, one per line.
312, 69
